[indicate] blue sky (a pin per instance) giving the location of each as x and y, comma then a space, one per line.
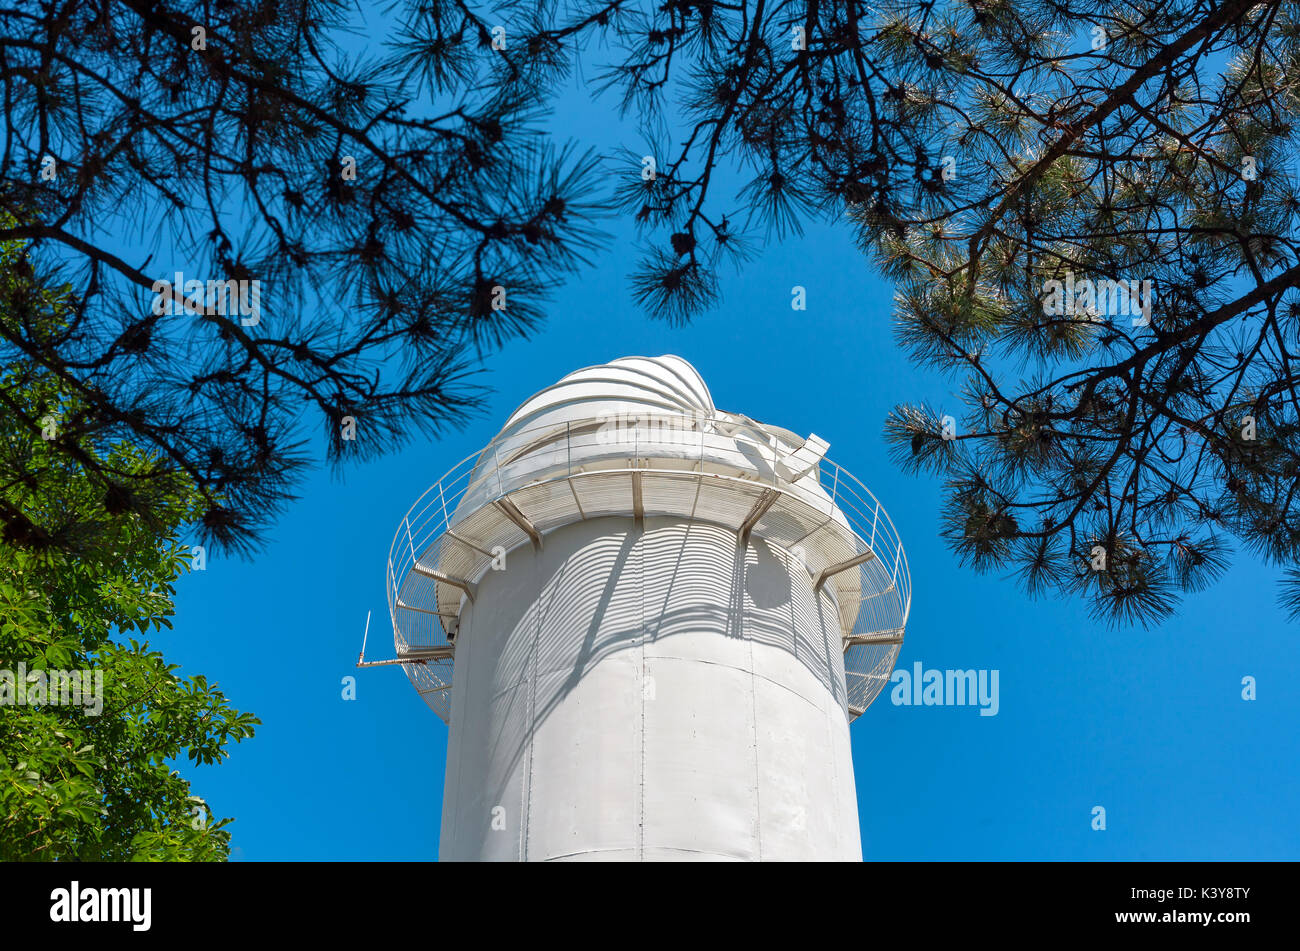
1150, 725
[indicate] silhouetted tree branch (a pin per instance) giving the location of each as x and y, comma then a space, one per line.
395, 226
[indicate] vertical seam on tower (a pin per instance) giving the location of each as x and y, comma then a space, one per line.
460, 772
532, 712
796, 592
640, 828
753, 705
828, 715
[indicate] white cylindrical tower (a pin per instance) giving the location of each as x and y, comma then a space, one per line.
649, 624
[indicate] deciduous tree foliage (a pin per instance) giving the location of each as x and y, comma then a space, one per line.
85, 575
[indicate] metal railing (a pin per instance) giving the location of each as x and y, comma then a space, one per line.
843, 524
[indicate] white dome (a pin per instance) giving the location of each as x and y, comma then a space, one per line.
666, 384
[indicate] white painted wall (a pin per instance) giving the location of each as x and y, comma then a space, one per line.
635, 693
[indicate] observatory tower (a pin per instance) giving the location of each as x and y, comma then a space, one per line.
648, 624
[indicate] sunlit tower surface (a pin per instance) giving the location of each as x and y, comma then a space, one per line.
648, 624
